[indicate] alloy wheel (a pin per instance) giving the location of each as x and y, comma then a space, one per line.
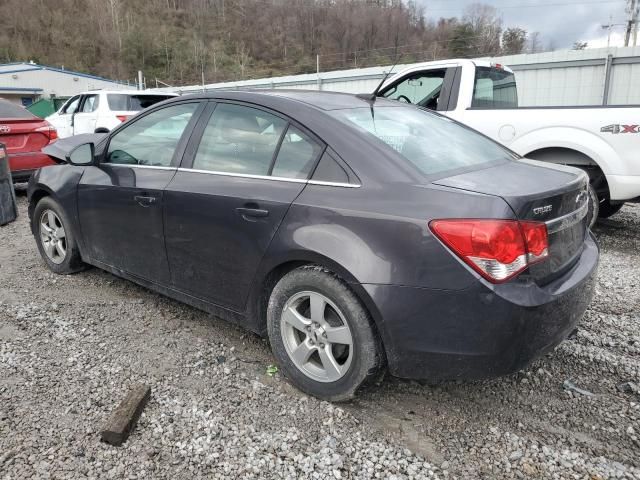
53, 236
316, 336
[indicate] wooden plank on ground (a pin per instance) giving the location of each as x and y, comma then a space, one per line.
123, 419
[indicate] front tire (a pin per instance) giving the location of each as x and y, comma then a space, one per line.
321, 335
55, 240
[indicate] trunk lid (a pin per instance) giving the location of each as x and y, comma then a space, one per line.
20, 130
22, 136
542, 192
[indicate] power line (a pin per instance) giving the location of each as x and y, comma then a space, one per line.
530, 5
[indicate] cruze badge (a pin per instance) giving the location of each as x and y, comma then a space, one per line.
5, 128
541, 210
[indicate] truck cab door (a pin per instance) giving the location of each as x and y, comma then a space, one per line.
433, 88
84, 120
63, 118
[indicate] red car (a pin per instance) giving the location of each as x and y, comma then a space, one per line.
24, 135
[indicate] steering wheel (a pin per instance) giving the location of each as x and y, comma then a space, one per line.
402, 98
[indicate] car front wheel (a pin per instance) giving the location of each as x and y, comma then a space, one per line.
321, 335
55, 240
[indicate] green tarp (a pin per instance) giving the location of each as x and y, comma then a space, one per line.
46, 106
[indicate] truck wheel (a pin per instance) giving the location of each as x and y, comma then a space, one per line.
608, 209
321, 335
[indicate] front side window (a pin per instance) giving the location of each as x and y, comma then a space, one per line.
71, 106
90, 103
421, 89
152, 139
239, 139
433, 143
494, 88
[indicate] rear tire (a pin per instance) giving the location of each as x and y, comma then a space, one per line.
608, 209
55, 240
321, 335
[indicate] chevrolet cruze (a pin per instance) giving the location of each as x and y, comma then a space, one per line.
359, 235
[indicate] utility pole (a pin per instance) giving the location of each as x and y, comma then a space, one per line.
610, 26
318, 80
632, 24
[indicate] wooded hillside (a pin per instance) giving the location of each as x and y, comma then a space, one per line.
182, 41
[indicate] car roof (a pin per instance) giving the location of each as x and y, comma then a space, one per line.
130, 92
313, 98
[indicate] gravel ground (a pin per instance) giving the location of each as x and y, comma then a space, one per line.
71, 346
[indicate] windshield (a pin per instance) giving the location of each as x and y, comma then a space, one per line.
431, 142
120, 102
494, 88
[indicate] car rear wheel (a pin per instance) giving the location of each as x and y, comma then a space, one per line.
321, 335
56, 242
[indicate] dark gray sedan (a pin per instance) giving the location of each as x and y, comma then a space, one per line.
359, 235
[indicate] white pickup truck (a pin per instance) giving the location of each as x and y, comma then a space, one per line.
604, 141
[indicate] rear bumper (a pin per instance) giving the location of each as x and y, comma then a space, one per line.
23, 165
482, 331
624, 187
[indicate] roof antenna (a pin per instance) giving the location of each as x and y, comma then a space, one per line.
371, 97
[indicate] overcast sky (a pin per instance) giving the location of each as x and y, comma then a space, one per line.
559, 21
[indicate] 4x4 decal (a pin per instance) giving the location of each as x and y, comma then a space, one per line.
621, 129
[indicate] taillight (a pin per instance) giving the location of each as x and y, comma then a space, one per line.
122, 118
50, 132
497, 249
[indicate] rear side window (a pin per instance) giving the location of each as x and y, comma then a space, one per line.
431, 142
241, 140
328, 170
494, 88
121, 102
297, 155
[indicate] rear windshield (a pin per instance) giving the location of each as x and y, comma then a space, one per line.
11, 110
494, 88
433, 143
120, 102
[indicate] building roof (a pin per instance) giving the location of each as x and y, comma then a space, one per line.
16, 67
20, 89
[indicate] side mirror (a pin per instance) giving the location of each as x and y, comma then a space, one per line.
82, 155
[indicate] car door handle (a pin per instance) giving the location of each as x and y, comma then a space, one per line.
145, 200
252, 213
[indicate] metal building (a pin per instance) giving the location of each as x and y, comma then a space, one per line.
599, 76
25, 83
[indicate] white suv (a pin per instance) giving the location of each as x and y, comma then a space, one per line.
101, 110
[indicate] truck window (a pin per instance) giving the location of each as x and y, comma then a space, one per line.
421, 89
494, 88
